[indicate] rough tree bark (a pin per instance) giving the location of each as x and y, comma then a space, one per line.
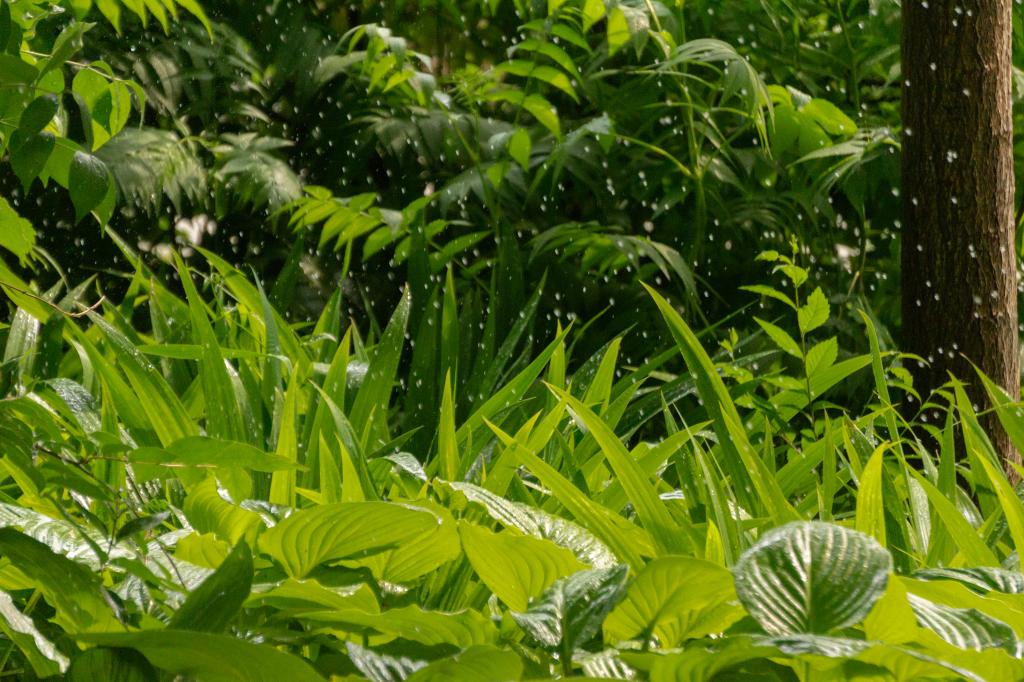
959, 272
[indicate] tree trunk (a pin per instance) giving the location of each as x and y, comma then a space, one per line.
959, 269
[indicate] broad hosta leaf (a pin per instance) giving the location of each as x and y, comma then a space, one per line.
72, 589
310, 595
110, 665
209, 657
964, 628
675, 598
475, 664
746, 657
516, 568
983, 579
811, 577
209, 512
540, 524
571, 611
212, 605
417, 557
45, 658
343, 530
62, 537
381, 667
431, 628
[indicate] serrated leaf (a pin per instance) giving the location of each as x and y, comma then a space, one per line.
809, 577
822, 356
814, 312
88, 182
782, 339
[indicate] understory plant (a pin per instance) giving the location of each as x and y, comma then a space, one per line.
220, 494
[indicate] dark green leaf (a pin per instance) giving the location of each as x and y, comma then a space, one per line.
209, 657
212, 605
88, 182
38, 114
811, 577
571, 611
111, 665
29, 155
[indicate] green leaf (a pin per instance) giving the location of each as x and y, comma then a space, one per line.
374, 395
414, 623
983, 579
212, 606
475, 664
378, 667
538, 523
674, 599
67, 44
71, 588
209, 657
416, 558
110, 665
223, 415
783, 340
752, 482
16, 233
88, 182
964, 628
638, 487
811, 578
784, 129
519, 146
822, 356
29, 157
208, 512
829, 117
200, 452
870, 503
971, 546
310, 537
38, 114
618, 30
814, 313
571, 611
44, 657
516, 568
13, 71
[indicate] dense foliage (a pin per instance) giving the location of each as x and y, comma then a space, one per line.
479, 340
